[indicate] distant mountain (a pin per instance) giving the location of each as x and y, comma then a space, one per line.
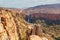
49, 13
49, 8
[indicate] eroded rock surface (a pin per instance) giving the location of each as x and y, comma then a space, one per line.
14, 27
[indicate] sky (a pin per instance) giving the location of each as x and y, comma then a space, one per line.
25, 3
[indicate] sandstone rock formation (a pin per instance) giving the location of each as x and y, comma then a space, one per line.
14, 27
35, 37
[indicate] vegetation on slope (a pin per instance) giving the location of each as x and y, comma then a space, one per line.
14, 27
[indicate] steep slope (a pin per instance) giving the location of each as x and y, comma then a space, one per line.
12, 25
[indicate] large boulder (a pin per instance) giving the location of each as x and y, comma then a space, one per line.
35, 37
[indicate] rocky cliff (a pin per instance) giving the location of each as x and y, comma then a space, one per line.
14, 27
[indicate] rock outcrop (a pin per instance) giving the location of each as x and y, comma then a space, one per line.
14, 27
35, 37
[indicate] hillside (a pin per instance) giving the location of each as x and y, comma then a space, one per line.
14, 27
43, 14
50, 13
49, 8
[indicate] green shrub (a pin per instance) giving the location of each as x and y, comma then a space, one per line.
57, 38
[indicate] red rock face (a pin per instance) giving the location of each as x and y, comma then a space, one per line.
47, 16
